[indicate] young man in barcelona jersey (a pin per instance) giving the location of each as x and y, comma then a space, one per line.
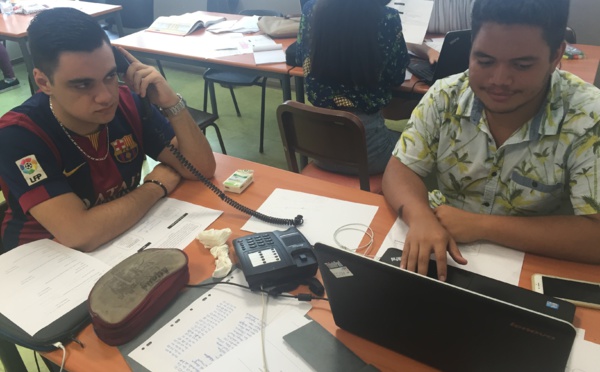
71, 155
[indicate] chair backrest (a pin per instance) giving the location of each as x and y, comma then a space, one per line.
135, 13
570, 36
327, 135
261, 12
222, 6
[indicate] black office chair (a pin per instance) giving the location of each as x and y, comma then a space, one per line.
222, 6
136, 14
570, 36
232, 79
204, 120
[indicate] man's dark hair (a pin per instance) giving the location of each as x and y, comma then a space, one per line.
58, 30
344, 41
550, 15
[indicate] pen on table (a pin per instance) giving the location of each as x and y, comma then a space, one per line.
144, 246
177, 220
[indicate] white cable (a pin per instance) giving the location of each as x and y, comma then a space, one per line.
366, 229
263, 325
59, 345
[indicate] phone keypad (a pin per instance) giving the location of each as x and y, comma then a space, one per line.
256, 241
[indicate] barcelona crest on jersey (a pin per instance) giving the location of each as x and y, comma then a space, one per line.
125, 149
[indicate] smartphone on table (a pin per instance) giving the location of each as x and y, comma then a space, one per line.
581, 293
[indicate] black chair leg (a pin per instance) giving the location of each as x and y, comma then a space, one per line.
237, 109
262, 115
205, 106
10, 357
160, 68
213, 98
219, 137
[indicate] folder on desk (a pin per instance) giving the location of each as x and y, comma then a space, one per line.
443, 324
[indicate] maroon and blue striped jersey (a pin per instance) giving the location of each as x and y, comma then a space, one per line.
38, 161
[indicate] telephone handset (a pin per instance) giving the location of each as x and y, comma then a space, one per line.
275, 258
122, 66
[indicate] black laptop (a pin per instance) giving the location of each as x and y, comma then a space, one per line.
454, 58
489, 326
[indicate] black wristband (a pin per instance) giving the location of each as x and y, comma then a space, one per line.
159, 184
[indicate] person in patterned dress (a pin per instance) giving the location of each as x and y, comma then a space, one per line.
353, 53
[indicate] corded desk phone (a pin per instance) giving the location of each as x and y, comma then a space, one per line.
274, 258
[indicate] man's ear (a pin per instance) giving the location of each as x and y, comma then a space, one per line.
558, 56
42, 81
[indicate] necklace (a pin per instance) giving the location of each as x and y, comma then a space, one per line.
75, 143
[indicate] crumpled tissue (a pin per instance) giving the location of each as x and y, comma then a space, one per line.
215, 241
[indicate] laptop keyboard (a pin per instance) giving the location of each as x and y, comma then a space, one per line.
422, 69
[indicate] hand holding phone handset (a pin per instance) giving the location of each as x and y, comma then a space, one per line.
143, 81
581, 293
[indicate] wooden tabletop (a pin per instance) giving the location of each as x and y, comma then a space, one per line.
190, 47
15, 26
97, 356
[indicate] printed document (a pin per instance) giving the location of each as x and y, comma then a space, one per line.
225, 322
171, 223
414, 15
43, 280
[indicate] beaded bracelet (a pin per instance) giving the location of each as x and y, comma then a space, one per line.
156, 182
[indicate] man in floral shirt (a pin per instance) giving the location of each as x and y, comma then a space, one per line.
514, 144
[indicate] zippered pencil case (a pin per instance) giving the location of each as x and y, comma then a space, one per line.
129, 296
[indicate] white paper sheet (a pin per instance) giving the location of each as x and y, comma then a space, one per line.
414, 15
243, 25
217, 325
171, 223
280, 356
268, 54
44, 280
491, 260
322, 216
585, 355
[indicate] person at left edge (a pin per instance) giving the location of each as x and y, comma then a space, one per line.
71, 155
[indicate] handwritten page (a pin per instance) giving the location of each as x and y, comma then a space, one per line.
43, 280
171, 223
414, 15
215, 326
491, 260
322, 216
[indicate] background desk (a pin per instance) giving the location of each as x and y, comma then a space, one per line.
14, 27
185, 50
97, 356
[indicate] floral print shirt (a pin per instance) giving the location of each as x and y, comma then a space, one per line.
551, 165
340, 96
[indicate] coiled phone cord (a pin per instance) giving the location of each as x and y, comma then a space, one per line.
297, 221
